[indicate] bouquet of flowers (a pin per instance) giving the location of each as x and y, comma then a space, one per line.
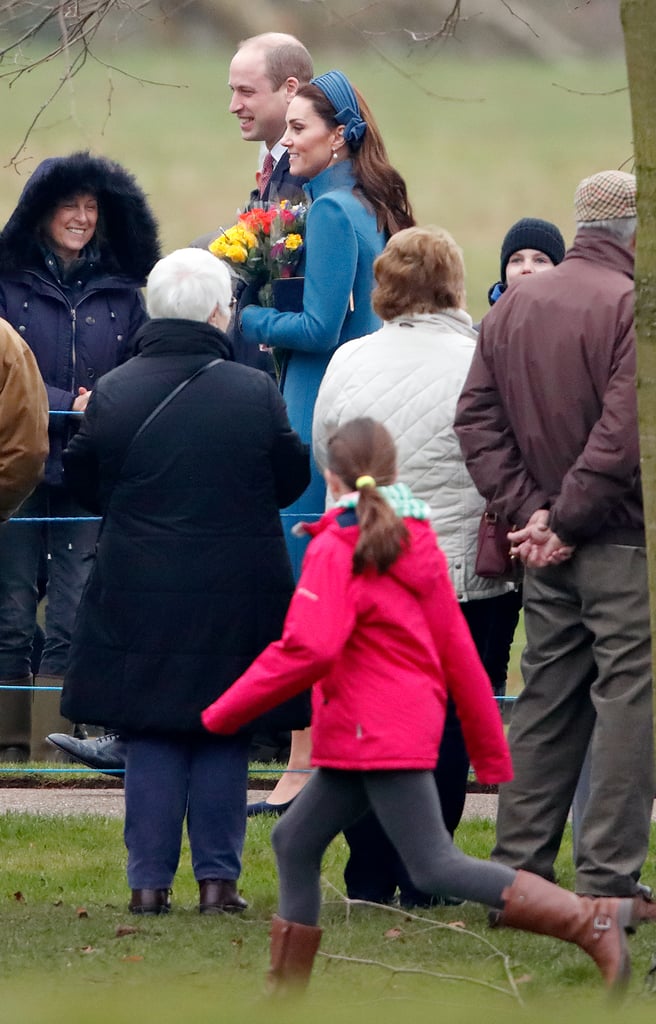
264, 245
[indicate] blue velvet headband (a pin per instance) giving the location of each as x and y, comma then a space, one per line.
339, 91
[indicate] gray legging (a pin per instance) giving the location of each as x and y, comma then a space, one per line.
408, 807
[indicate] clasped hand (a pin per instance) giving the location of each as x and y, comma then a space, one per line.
537, 545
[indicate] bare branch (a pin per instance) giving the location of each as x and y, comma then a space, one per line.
420, 970
78, 22
13, 161
446, 29
29, 33
136, 78
584, 92
407, 915
523, 21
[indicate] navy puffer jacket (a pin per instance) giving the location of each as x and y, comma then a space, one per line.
78, 330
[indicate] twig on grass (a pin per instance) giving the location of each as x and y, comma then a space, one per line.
429, 974
512, 991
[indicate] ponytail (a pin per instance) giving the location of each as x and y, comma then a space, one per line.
363, 455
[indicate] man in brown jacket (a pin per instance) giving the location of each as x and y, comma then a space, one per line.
23, 421
548, 424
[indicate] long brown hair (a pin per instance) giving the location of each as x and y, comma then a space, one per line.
363, 448
380, 184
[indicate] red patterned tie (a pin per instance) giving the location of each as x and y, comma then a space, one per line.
266, 172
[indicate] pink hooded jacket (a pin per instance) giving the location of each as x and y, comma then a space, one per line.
381, 652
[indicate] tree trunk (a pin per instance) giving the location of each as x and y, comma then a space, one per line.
639, 24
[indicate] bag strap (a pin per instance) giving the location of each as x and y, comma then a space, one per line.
163, 404
149, 419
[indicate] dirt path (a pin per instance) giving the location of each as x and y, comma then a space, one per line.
109, 802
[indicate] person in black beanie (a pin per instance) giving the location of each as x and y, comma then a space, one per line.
530, 245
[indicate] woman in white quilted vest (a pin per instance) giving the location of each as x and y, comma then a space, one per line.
409, 375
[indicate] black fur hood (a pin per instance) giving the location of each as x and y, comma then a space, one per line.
127, 235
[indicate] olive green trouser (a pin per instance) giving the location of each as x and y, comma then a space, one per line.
587, 675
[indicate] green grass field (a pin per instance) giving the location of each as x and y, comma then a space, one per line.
513, 141
70, 952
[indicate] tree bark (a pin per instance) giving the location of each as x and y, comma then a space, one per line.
639, 25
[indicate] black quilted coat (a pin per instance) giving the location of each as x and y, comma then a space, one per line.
192, 577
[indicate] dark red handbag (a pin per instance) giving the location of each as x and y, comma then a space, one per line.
493, 558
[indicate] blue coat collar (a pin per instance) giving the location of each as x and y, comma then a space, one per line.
336, 176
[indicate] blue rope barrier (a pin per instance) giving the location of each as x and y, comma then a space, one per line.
60, 771
72, 769
16, 686
12, 686
96, 519
55, 519
302, 516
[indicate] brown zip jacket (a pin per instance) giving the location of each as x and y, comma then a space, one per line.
23, 421
548, 414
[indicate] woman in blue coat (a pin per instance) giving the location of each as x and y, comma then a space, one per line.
73, 257
357, 201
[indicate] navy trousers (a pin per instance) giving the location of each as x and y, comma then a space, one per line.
167, 779
69, 547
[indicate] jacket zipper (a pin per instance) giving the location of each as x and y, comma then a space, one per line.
73, 312
73, 352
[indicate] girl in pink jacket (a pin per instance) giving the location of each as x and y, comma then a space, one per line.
375, 629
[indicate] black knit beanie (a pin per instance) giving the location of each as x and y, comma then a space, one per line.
532, 233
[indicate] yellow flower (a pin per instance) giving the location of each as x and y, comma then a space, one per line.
235, 253
218, 246
257, 246
292, 242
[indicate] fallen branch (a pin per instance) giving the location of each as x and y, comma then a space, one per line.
431, 924
513, 994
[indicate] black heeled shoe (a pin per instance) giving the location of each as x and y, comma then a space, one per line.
262, 807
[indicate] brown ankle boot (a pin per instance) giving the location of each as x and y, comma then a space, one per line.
293, 949
598, 926
220, 896
150, 901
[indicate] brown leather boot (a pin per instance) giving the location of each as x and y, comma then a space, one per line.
220, 896
293, 949
150, 901
598, 926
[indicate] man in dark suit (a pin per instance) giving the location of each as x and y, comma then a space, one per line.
264, 75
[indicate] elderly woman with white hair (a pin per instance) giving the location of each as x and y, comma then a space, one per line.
188, 457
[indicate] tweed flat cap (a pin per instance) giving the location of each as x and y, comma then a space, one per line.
608, 195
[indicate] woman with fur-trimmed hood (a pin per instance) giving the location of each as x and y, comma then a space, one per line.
73, 257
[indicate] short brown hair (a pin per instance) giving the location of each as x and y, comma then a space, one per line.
421, 270
290, 60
